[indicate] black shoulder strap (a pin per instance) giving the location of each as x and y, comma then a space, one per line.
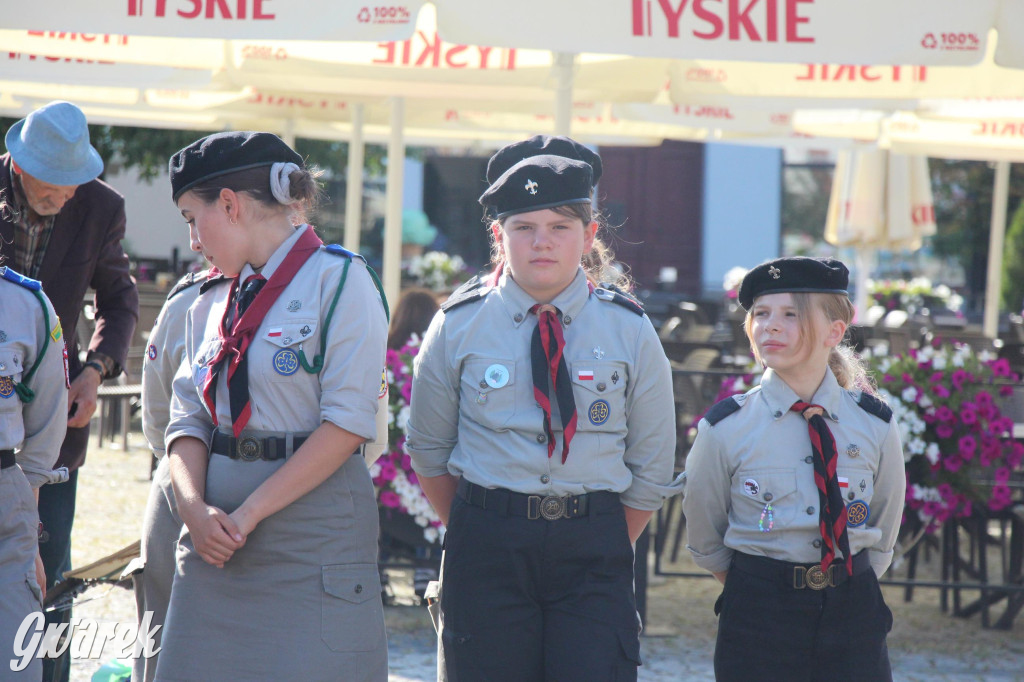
212, 282
189, 280
874, 405
607, 292
473, 290
722, 409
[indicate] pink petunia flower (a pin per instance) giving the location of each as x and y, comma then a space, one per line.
940, 391
390, 499
943, 430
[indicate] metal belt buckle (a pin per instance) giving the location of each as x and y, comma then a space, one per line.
552, 508
250, 449
818, 579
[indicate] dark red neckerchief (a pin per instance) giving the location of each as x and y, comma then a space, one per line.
548, 363
832, 510
233, 345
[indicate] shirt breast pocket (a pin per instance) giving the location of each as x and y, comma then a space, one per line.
856, 484
285, 341
201, 365
488, 394
10, 375
764, 498
599, 389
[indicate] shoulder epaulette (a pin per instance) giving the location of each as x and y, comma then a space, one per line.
612, 294
189, 280
339, 250
212, 281
723, 408
473, 290
874, 405
18, 278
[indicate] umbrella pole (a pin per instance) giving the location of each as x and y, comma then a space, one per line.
392, 261
997, 233
563, 92
863, 262
354, 184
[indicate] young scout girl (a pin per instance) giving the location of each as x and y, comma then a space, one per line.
161, 524
542, 430
276, 567
794, 491
33, 417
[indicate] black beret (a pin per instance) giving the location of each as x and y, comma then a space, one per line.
539, 182
796, 274
223, 153
511, 154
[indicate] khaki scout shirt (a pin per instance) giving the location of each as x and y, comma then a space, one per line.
35, 429
761, 453
164, 353
284, 396
493, 434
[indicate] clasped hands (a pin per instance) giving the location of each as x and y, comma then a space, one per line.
217, 535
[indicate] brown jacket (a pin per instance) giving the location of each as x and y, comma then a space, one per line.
84, 251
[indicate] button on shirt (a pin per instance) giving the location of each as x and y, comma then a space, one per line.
758, 455
284, 396
493, 432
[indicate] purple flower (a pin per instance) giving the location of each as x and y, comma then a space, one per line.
390, 499
1005, 391
1001, 367
944, 414
968, 415
937, 377
943, 430
952, 463
940, 391
1002, 474
387, 470
958, 379
983, 398
967, 446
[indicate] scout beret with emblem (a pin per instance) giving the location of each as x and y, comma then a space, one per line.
539, 182
223, 153
538, 145
792, 275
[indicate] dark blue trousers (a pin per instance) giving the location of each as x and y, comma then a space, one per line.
57, 513
538, 601
767, 630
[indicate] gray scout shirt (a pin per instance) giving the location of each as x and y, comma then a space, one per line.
473, 411
284, 396
164, 354
35, 429
760, 453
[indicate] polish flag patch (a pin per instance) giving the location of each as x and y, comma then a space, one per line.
585, 375
275, 331
843, 482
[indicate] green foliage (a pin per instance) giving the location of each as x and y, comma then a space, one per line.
1013, 264
963, 212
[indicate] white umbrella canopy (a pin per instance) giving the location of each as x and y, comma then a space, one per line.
948, 32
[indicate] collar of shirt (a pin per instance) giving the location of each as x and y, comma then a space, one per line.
779, 397
23, 213
518, 303
275, 259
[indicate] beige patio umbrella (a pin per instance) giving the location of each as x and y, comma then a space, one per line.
879, 200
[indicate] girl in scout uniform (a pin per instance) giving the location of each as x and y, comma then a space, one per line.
794, 491
276, 566
161, 524
33, 418
542, 431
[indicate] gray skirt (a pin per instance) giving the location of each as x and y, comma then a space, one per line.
301, 600
19, 591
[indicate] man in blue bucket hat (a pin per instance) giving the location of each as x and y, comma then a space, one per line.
61, 225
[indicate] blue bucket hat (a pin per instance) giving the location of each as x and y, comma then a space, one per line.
52, 145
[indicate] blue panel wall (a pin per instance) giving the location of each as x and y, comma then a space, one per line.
742, 209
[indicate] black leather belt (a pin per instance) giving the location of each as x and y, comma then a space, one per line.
800, 576
252, 448
548, 507
6, 459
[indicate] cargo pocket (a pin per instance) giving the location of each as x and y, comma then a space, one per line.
352, 616
487, 393
33, 588
629, 647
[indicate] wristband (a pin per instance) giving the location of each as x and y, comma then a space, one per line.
96, 366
